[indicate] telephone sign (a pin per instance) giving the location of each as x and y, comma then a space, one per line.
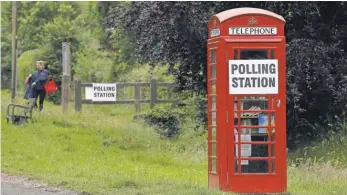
246, 85
252, 31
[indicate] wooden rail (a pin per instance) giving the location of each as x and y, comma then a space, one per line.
137, 101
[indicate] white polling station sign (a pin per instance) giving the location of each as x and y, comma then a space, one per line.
101, 92
253, 76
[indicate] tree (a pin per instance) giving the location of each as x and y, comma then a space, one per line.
176, 33
6, 43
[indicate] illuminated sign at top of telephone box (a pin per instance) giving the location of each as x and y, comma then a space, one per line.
247, 101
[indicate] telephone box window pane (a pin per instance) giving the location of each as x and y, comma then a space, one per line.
236, 53
255, 104
273, 162
214, 133
272, 54
214, 118
214, 165
213, 86
213, 71
214, 149
247, 149
255, 166
248, 54
213, 56
253, 150
272, 150
259, 150
256, 136
213, 102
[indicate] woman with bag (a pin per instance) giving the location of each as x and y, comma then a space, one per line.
37, 82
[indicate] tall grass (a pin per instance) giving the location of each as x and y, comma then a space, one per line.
103, 150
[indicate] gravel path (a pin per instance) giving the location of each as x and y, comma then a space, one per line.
16, 185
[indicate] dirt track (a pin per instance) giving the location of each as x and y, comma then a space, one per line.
15, 185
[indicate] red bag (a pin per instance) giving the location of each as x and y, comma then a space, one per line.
50, 86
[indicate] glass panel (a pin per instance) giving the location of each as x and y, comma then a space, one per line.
213, 56
255, 166
247, 54
260, 150
273, 166
214, 118
254, 132
214, 133
214, 165
213, 102
214, 149
273, 150
254, 104
264, 121
235, 54
272, 54
213, 86
246, 122
213, 71
236, 168
253, 150
245, 150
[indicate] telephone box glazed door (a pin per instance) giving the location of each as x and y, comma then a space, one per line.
256, 132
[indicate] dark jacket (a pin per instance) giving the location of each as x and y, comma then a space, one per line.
40, 78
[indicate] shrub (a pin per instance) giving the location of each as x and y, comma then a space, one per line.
166, 118
316, 88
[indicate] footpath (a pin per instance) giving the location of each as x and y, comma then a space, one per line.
16, 185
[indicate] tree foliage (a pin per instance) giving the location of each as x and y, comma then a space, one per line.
43, 26
6, 46
176, 33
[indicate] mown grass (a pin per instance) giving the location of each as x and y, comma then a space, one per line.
103, 150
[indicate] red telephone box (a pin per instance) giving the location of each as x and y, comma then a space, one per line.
247, 101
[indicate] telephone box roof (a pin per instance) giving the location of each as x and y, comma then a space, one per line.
231, 13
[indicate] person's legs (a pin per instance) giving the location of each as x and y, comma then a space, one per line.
34, 94
42, 98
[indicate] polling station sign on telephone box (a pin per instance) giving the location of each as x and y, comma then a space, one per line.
102, 92
253, 76
246, 85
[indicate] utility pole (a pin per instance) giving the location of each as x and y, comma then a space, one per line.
14, 49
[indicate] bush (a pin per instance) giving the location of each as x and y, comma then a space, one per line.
166, 118
316, 88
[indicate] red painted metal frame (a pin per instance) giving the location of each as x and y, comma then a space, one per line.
224, 177
257, 183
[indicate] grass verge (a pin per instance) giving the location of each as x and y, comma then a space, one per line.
104, 151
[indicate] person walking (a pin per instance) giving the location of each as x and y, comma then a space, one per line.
36, 82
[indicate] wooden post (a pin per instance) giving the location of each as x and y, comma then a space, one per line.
14, 49
78, 96
67, 64
137, 96
65, 93
154, 95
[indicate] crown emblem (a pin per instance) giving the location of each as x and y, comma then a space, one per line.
252, 21
214, 23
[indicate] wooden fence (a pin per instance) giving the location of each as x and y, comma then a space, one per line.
137, 101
